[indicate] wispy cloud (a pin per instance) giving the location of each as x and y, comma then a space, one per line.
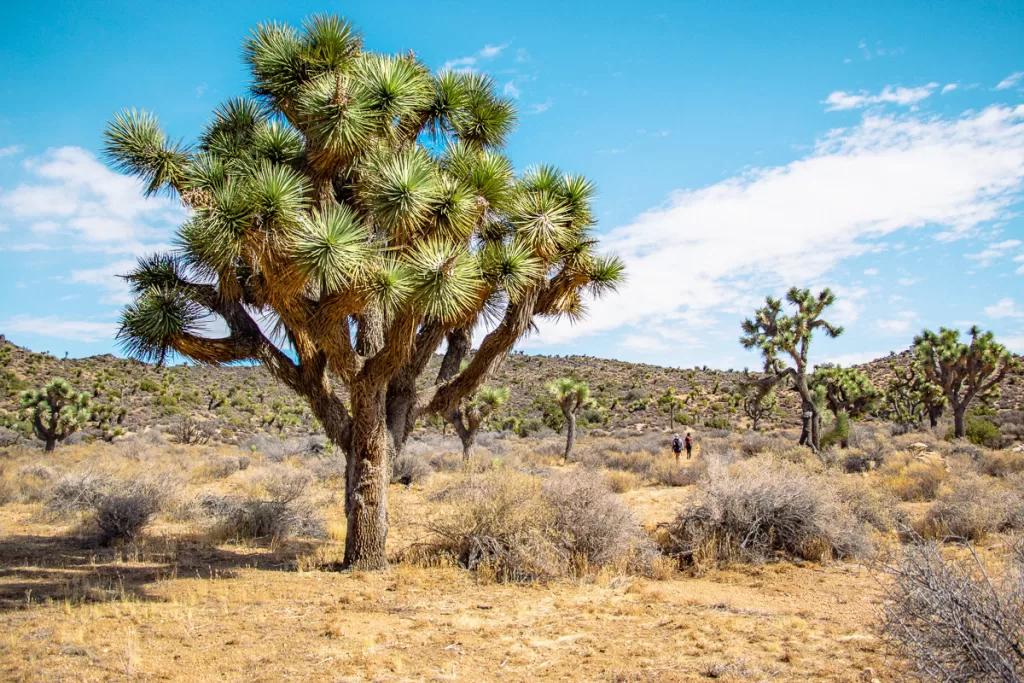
522, 55
898, 325
469, 62
1004, 308
10, 151
992, 252
511, 90
840, 100
948, 88
87, 331
539, 108
1010, 81
201, 89
793, 224
660, 133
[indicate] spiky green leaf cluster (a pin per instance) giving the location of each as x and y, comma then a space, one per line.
963, 371
846, 390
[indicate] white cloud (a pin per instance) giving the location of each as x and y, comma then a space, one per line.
871, 271
1004, 308
86, 331
907, 281
10, 151
108, 278
28, 246
949, 87
898, 325
87, 199
992, 252
841, 100
723, 247
469, 62
539, 108
640, 342
511, 90
1010, 81
613, 151
1013, 342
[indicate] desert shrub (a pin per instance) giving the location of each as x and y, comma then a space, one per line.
854, 460
532, 426
409, 469
122, 516
137, 446
78, 492
278, 450
974, 507
259, 519
637, 462
522, 529
620, 482
329, 470
33, 483
954, 618
756, 510
1001, 463
215, 467
754, 443
189, 431
671, 473
918, 481
871, 504
967, 448
9, 438
981, 432
591, 523
719, 424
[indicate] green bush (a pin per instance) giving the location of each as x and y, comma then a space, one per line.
981, 432
718, 423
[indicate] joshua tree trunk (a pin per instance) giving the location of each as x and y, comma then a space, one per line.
51, 443
369, 466
934, 413
960, 421
570, 434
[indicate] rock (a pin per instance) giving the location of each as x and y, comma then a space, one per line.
1019, 448
918, 446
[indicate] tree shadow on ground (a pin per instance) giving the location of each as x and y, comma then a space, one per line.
37, 569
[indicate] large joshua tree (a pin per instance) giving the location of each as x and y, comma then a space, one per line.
361, 204
962, 371
571, 395
783, 338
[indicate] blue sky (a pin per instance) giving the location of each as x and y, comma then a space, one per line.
877, 148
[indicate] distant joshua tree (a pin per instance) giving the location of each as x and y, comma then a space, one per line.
55, 412
963, 372
471, 413
571, 395
783, 339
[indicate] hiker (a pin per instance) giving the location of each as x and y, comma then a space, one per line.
677, 446
689, 445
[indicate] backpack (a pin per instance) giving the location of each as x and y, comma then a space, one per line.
677, 445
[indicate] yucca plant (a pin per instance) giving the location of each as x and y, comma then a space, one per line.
963, 372
781, 338
571, 395
55, 412
362, 205
468, 417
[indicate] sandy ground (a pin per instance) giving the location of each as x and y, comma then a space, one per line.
179, 609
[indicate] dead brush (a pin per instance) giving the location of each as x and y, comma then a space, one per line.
759, 509
917, 481
975, 507
513, 526
957, 617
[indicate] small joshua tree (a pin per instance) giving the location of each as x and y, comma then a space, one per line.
696, 401
847, 390
571, 395
56, 411
963, 372
759, 403
778, 336
471, 413
671, 402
